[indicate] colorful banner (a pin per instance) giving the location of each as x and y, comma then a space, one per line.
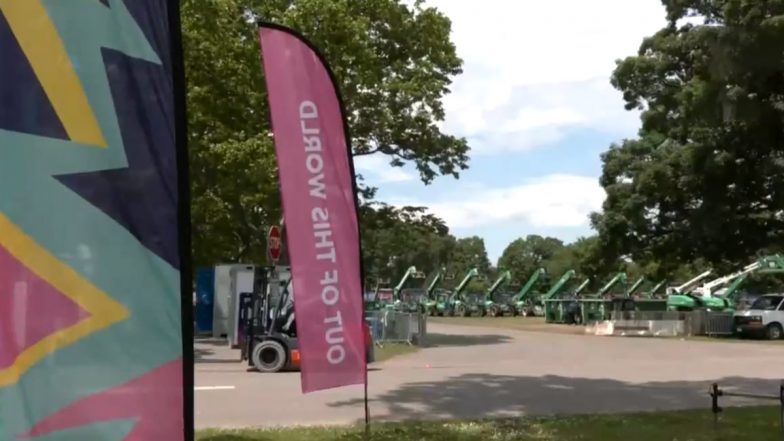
91, 328
320, 209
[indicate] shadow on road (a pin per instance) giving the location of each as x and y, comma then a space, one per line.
444, 340
203, 355
483, 395
210, 341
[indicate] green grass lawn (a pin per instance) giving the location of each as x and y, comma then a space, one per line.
537, 324
736, 424
390, 350
505, 322
734, 340
519, 323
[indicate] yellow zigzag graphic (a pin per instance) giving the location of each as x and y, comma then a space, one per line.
103, 310
43, 47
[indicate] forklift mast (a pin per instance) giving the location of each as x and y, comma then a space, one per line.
523, 293
636, 286
271, 310
555, 289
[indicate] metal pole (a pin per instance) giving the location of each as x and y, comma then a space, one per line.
715, 393
781, 409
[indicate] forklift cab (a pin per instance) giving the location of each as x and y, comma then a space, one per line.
270, 338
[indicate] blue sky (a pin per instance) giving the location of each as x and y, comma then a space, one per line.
537, 108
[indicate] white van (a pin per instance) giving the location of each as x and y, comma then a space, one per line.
765, 317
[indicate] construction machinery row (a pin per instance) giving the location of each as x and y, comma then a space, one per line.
563, 305
496, 301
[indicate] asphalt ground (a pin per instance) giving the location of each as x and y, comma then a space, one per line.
473, 372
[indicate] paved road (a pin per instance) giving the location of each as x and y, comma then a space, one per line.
483, 372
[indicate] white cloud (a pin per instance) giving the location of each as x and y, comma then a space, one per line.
378, 169
557, 200
535, 68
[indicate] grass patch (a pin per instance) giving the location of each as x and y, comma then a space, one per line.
532, 324
391, 350
495, 322
538, 324
736, 424
734, 340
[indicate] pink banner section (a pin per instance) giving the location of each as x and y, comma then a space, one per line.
317, 188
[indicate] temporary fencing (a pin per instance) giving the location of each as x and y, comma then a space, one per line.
389, 326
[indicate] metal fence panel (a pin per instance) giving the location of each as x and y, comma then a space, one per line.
397, 327
694, 323
647, 315
719, 323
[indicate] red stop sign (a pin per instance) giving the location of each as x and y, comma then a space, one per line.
274, 244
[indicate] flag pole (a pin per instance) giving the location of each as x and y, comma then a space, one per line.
341, 103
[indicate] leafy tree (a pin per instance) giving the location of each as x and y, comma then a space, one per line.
469, 252
584, 256
395, 239
394, 64
703, 178
525, 255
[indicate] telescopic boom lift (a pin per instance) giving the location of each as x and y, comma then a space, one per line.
452, 303
558, 286
524, 304
636, 286
493, 305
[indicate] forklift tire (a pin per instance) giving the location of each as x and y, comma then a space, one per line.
774, 331
493, 311
269, 356
461, 311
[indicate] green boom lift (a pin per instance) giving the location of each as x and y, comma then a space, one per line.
632, 301
525, 302
497, 302
603, 291
635, 287
651, 293
452, 303
396, 291
382, 297
582, 287
410, 298
559, 285
554, 304
705, 297
475, 302
427, 304
597, 306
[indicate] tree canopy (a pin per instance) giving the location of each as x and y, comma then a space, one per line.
524, 256
698, 187
394, 63
703, 179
